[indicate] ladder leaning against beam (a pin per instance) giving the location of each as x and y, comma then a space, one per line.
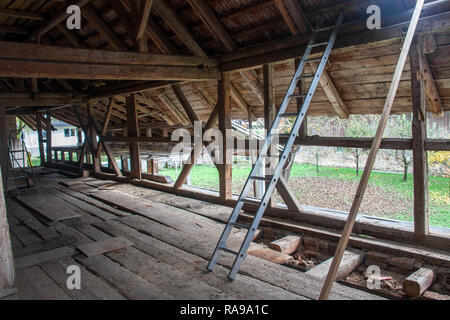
273, 180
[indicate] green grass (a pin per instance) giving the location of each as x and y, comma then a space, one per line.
439, 205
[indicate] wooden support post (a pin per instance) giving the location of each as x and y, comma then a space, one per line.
3, 145
269, 116
197, 151
93, 138
133, 131
331, 277
48, 139
419, 133
40, 138
225, 168
7, 273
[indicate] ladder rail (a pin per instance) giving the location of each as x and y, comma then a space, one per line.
264, 154
283, 159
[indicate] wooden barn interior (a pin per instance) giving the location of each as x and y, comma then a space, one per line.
136, 71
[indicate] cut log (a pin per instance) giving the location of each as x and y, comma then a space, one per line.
417, 283
350, 261
268, 254
286, 245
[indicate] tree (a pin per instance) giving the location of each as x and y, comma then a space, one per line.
400, 126
359, 126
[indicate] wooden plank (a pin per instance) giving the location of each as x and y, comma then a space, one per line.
127, 283
350, 261
104, 246
417, 283
263, 270
373, 153
34, 284
164, 276
29, 220
268, 254
243, 287
92, 287
41, 257
286, 245
288, 195
294, 18
50, 207
44, 246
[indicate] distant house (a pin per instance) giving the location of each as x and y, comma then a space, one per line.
65, 135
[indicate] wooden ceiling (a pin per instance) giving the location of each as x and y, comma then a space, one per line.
236, 36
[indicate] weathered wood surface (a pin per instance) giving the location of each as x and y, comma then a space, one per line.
417, 283
40, 257
7, 273
287, 245
350, 262
104, 246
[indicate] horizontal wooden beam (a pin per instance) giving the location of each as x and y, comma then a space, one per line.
86, 71
39, 100
342, 142
20, 14
435, 17
39, 52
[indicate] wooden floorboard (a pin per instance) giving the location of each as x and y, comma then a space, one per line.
170, 247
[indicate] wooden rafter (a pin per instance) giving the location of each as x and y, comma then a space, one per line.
332, 93
144, 14
426, 75
293, 15
185, 104
102, 28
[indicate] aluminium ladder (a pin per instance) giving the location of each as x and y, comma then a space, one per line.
22, 169
272, 180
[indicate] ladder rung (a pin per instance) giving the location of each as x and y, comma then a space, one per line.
306, 77
324, 29
313, 60
261, 178
301, 95
242, 226
229, 251
319, 44
287, 115
251, 201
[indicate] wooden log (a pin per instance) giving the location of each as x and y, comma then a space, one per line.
417, 283
350, 261
287, 245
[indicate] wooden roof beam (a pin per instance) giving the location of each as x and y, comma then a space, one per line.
429, 85
61, 17
100, 25
20, 14
293, 15
144, 14
177, 114
170, 16
332, 93
206, 14
435, 18
185, 104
